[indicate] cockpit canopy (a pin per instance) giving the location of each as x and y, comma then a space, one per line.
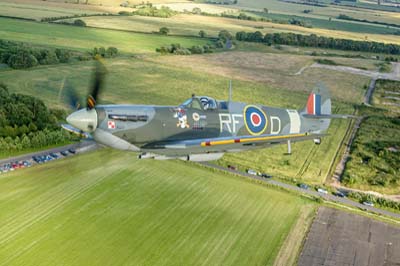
201, 103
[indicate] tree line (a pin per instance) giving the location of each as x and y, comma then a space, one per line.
32, 140
21, 114
313, 40
224, 41
26, 122
149, 10
20, 55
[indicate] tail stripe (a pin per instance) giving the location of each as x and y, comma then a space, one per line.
314, 104
317, 104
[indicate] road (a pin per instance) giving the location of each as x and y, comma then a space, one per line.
327, 197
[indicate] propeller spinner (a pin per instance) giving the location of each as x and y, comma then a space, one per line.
85, 119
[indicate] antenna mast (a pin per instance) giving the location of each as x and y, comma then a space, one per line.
230, 90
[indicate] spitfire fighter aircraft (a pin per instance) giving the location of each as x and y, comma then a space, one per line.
201, 128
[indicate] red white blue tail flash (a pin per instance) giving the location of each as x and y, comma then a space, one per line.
314, 104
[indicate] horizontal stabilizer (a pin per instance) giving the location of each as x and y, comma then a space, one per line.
329, 116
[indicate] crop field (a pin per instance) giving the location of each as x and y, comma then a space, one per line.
276, 6
191, 24
187, 24
181, 6
37, 12
181, 24
335, 24
107, 207
37, 9
84, 39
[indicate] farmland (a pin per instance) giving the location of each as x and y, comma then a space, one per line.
329, 11
84, 39
107, 207
184, 24
36, 9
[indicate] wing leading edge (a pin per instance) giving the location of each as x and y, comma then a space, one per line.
235, 142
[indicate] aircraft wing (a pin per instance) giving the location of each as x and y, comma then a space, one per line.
235, 142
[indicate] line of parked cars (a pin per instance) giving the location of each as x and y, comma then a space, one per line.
7, 167
250, 171
14, 165
52, 156
254, 172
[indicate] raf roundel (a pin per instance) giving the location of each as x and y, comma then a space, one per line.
255, 120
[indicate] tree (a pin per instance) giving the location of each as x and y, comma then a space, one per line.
197, 49
225, 35
22, 59
102, 51
164, 30
79, 22
202, 34
48, 57
111, 52
196, 10
63, 55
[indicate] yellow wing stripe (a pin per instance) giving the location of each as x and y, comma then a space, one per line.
239, 140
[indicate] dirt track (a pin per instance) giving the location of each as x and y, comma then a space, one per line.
394, 75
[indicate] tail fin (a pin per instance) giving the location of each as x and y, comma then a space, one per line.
318, 103
317, 113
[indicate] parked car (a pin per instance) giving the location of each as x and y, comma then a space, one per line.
368, 203
72, 151
232, 167
322, 191
64, 153
55, 156
251, 172
339, 194
264, 175
303, 186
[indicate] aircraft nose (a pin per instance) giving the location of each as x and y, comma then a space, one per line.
85, 120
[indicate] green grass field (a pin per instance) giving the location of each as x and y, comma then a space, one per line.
107, 207
373, 165
375, 153
84, 39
